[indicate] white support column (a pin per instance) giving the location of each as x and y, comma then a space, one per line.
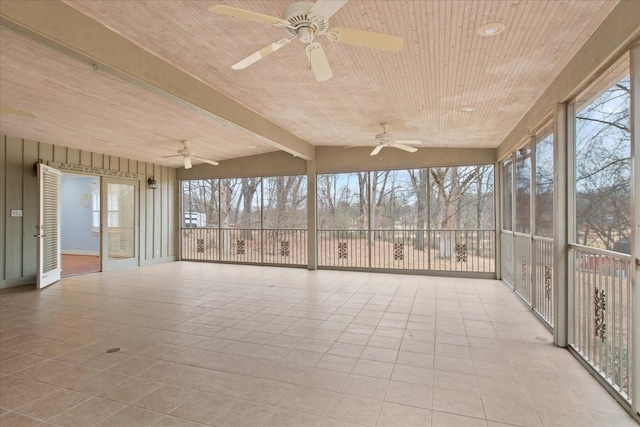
498, 192
635, 220
312, 223
533, 276
560, 227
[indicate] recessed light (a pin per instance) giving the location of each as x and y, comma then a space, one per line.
491, 29
468, 109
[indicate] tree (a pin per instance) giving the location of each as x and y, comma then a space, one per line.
603, 168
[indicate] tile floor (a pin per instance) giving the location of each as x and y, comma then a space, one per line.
229, 345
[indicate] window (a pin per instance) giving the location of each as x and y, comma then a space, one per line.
507, 204
603, 162
544, 184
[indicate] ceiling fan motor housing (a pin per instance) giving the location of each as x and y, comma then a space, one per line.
304, 24
384, 138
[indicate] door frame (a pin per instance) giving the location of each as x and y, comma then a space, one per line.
105, 263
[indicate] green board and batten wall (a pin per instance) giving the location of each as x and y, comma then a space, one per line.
19, 191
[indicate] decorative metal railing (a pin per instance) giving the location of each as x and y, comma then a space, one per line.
543, 284
602, 314
254, 246
441, 250
506, 249
522, 268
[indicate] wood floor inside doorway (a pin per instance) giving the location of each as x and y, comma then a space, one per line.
73, 265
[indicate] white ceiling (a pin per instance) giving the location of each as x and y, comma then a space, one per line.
444, 66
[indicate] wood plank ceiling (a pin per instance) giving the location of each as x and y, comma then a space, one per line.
444, 68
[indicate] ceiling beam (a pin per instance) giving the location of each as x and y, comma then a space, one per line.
63, 28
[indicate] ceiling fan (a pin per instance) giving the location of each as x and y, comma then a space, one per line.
385, 139
187, 155
11, 110
307, 20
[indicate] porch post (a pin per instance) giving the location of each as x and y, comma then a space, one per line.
312, 225
635, 221
560, 228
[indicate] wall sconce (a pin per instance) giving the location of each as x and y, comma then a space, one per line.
153, 184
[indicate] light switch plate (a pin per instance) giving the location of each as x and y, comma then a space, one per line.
16, 212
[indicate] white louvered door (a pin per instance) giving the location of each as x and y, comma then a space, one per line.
48, 233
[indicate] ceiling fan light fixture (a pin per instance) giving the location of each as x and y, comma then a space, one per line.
491, 29
305, 35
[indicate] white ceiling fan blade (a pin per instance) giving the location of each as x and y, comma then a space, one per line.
319, 63
17, 112
376, 150
404, 147
211, 162
187, 162
409, 141
255, 57
245, 14
172, 157
366, 38
326, 8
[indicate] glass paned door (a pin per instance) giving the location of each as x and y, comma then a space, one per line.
119, 222
48, 228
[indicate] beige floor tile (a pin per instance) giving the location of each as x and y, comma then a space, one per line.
455, 381
131, 416
510, 411
302, 357
508, 389
413, 374
553, 416
420, 360
457, 402
272, 353
395, 415
89, 413
20, 362
345, 349
130, 390
453, 350
98, 383
286, 319
287, 373
53, 404
392, 343
287, 418
354, 409
269, 392
417, 395
309, 400
441, 419
202, 407
372, 388
13, 419
165, 399
16, 392
371, 368
336, 363
503, 370
454, 364
324, 379
242, 413
417, 346
169, 421
379, 354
